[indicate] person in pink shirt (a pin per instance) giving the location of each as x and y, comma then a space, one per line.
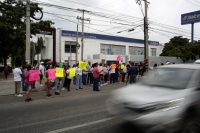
28, 84
96, 73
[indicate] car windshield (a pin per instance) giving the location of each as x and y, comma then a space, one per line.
177, 78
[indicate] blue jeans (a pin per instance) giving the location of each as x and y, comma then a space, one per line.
74, 80
63, 81
95, 83
132, 79
84, 76
56, 80
78, 81
23, 83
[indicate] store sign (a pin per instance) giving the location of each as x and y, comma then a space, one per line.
74, 35
189, 18
106, 37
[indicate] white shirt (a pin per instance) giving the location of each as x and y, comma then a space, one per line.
67, 71
85, 71
17, 74
78, 71
112, 70
41, 68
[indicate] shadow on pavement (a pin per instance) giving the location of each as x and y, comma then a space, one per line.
127, 127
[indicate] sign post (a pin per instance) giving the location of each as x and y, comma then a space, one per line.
191, 18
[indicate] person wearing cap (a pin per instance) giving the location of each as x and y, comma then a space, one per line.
41, 68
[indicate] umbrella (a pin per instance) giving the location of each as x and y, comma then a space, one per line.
51, 62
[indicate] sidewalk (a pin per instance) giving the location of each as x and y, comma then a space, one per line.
7, 87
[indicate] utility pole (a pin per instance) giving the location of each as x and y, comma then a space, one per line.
27, 31
60, 32
82, 40
146, 31
77, 44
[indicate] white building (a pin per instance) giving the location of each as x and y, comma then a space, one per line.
97, 47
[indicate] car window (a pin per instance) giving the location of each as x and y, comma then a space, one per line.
177, 78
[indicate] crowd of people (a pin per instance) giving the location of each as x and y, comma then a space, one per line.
97, 74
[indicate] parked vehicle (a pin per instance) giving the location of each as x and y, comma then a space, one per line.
166, 101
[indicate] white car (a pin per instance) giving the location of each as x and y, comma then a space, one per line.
197, 61
166, 101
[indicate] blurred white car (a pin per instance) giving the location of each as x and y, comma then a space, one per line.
197, 61
166, 101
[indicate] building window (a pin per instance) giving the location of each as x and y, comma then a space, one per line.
153, 51
67, 47
136, 51
109, 49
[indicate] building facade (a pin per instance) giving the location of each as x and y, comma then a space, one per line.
106, 46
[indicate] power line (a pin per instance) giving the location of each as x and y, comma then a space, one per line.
192, 3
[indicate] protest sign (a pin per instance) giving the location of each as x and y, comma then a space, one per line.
82, 65
61, 65
113, 66
122, 66
59, 72
119, 57
72, 72
51, 73
34, 75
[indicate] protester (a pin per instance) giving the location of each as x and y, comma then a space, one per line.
6, 71
63, 78
34, 68
24, 69
41, 68
117, 71
96, 73
28, 84
74, 78
84, 76
68, 78
49, 83
56, 81
112, 73
78, 77
101, 75
90, 76
17, 79
105, 74
133, 73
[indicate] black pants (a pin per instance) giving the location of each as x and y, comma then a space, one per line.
116, 76
112, 77
67, 83
6, 74
105, 78
90, 78
123, 77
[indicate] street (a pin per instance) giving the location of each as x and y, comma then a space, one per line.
81, 111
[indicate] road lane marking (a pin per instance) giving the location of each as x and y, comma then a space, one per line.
51, 120
81, 125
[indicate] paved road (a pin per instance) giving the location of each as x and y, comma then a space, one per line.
78, 111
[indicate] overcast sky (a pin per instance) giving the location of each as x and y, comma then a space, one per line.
167, 12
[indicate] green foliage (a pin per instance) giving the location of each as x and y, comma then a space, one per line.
13, 28
181, 47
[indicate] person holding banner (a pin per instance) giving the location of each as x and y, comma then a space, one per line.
123, 72
28, 84
105, 74
96, 73
79, 73
49, 83
70, 73
112, 72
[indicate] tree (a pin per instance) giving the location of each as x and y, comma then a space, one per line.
181, 47
13, 28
